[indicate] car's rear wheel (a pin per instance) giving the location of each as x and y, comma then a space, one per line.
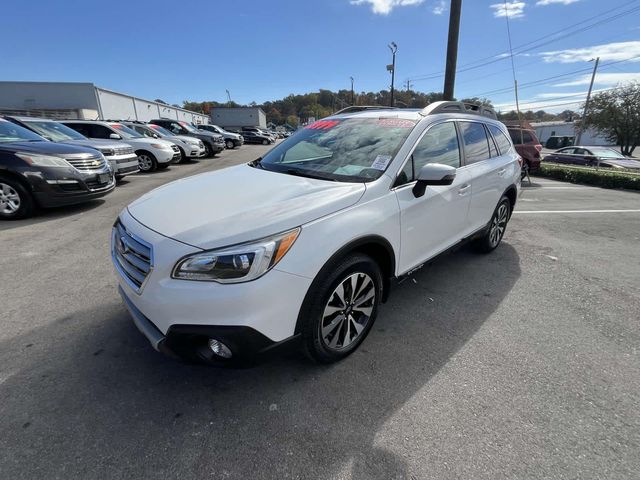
340, 308
147, 162
229, 144
15, 201
207, 150
497, 226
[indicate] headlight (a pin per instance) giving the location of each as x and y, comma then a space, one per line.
240, 263
39, 160
107, 152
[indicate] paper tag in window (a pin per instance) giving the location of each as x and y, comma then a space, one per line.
381, 162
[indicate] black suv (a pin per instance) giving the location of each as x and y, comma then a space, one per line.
213, 142
37, 173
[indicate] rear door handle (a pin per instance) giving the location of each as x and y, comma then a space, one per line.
463, 189
502, 171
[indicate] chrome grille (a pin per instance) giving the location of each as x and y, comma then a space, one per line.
132, 256
87, 163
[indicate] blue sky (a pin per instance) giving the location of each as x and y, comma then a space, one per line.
264, 50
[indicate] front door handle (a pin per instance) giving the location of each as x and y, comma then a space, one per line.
502, 171
464, 189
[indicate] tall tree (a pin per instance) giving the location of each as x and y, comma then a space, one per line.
616, 115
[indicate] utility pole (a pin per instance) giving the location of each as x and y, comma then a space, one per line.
352, 94
392, 68
452, 49
586, 103
408, 84
228, 96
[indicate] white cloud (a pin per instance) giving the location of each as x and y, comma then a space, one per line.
439, 8
605, 79
384, 7
562, 2
607, 51
551, 106
514, 9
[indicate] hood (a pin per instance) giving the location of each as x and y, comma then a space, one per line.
239, 204
206, 134
186, 138
148, 141
48, 148
99, 144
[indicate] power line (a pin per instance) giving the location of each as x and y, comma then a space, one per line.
537, 43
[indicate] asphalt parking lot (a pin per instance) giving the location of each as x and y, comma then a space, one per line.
518, 364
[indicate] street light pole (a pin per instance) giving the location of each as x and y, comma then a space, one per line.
586, 103
452, 49
352, 95
392, 68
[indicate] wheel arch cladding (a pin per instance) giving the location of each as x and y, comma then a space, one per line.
512, 194
9, 175
374, 246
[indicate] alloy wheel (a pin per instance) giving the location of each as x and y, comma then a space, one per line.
229, 144
498, 224
9, 199
145, 162
348, 311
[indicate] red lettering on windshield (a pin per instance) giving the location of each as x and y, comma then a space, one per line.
323, 124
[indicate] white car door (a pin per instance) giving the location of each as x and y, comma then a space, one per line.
437, 220
487, 170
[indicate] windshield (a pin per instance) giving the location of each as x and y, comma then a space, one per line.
189, 127
350, 150
54, 131
10, 132
606, 153
161, 130
216, 129
125, 132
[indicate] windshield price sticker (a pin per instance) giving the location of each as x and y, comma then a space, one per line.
381, 162
395, 123
323, 124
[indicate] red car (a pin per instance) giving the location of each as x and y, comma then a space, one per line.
527, 145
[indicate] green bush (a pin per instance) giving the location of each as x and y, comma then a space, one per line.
606, 178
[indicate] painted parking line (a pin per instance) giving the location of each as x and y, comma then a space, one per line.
578, 211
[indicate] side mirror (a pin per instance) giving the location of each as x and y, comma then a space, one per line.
115, 136
155, 135
433, 174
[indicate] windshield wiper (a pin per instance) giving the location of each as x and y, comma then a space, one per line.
305, 173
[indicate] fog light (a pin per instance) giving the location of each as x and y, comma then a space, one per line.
219, 348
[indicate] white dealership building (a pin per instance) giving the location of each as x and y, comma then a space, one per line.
84, 101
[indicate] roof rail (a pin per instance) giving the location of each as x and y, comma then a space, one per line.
360, 108
458, 107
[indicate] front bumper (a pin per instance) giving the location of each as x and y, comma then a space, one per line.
57, 188
166, 156
187, 313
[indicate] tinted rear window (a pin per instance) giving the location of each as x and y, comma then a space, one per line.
476, 144
527, 137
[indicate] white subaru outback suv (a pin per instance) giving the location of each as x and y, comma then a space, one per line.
302, 244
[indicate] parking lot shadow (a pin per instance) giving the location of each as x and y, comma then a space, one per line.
49, 214
86, 397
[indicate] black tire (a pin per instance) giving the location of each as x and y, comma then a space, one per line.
265, 142
496, 228
230, 145
338, 329
12, 191
183, 156
207, 150
146, 161
163, 166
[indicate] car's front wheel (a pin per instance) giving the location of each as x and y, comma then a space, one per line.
265, 142
497, 226
340, 308
229, 144
147, 162
15, 201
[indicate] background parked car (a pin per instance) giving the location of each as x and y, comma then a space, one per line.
231, 139
120, 156
555, 142
257, 131
593, 156
253, 137
35, 172
190, 147
527, 145
152, 153
213, 142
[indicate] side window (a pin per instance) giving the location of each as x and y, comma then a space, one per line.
493, 150
526, 137
80, 128
580, 151
98, 131
438, 145
476, 145
501, 139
